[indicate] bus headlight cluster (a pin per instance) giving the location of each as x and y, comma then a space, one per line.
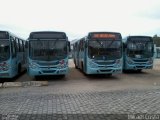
33, 65
4, 66
92, 64
62, 64
150, 61
118, 63
129, 61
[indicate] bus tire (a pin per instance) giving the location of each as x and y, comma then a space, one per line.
82, 67
19, 68
76, 66
124, 71
140, 70
109, 75
83, 70
62, 76
36, 77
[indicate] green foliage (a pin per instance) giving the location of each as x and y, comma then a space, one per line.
156, 40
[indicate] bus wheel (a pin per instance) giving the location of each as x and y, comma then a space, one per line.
36, 77
19, 68
140, 70
82, 68
76, 66
109, 75
62, 76
124, 71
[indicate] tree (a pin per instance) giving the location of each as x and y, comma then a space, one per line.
156, 40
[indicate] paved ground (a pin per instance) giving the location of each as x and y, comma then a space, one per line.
84, 97
77, 81
47, 100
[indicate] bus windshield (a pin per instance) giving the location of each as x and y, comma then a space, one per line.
48, 50
4, 50
140, 49
104, 49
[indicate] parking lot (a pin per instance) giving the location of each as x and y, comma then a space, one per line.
77, 96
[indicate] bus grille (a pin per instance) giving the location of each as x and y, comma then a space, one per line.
47, 63
140, 60
4, 74
48, 71
140, 67
106, 63
105, 70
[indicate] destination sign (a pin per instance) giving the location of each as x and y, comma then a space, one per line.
114, 36
3, 35
104, 35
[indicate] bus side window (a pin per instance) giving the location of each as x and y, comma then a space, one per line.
17, 44
23, 46
69, 46
83, 45
21, 49
13, 47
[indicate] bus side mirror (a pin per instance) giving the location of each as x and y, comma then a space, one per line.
69, 46
26, 44
85, 44
124, 45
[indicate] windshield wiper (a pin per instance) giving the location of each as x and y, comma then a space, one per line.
99, 43
110, 44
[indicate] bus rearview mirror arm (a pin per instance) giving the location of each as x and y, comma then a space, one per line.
69, 46
26, 44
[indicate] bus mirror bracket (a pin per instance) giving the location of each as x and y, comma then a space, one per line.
69, 46
85, 44
26, 44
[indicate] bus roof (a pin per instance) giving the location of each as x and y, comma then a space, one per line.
139, 36
104, 32
8, 33
47, 34
125, 39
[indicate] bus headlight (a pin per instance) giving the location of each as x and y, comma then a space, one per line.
92, 64
62, 64
150, 61
4, 66
33, 65
118, 63
129, 61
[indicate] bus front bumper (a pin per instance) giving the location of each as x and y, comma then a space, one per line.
39, 72
104, 71
6, 74
139, 66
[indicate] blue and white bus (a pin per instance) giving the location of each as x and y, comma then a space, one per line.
12, 55
99, 53
138, 53
48, 53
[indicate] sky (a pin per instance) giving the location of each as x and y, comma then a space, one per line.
78, 17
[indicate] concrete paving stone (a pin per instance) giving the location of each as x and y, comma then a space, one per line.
39, 83
34, 83
94, 104
0, 85
12, 84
